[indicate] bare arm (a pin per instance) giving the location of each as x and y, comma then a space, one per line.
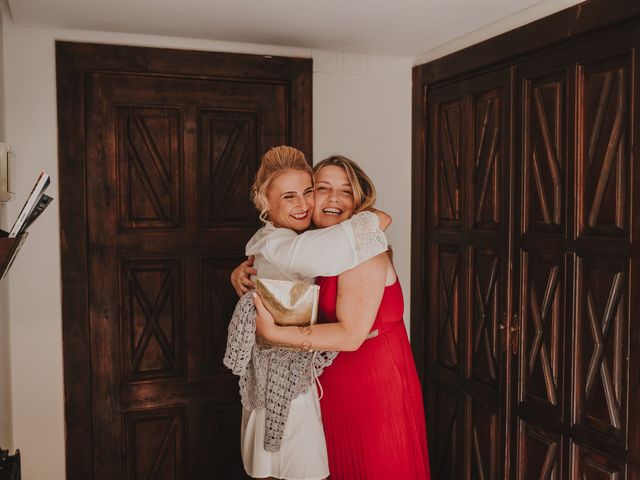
383, 217
360, 292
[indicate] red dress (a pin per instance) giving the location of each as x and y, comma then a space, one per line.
372, 407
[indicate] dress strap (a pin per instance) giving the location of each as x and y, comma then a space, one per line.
315, 376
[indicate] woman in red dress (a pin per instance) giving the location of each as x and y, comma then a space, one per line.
372, 407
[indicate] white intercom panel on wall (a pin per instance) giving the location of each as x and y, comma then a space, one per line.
7, 160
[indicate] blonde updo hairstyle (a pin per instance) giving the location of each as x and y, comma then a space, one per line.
273, 163
364, 193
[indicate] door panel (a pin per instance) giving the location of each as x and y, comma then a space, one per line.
601, 341
154, 444
449, 131
484, 423
545, 152
217, 298
152, 333
447, 325
447, 423
541, 375
484, 335
468, 231
487, 163
604, 154
227, 138
150, 167
587, 463
539, 453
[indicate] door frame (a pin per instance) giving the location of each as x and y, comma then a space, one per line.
73, 62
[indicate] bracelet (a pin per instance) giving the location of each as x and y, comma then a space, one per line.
305, 329
306, 346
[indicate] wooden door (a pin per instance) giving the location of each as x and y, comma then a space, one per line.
574, 260
169, 160
568, 251
467, 275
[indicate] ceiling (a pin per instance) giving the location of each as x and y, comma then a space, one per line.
393, 27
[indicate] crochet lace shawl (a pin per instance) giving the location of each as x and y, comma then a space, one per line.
270, 377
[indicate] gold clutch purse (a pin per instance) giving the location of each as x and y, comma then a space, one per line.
290, 302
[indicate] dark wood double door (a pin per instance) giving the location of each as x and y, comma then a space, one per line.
531, 266
158, 152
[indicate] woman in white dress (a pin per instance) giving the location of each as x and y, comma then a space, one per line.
284, 194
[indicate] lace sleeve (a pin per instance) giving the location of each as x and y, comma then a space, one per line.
369, 239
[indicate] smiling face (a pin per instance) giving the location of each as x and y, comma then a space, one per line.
334, 196
290, 200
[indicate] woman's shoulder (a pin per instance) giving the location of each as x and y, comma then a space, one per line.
263, 235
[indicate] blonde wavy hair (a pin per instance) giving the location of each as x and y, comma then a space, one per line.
364, 192
273, 163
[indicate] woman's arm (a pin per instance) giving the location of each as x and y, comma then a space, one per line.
327, 251
360, 292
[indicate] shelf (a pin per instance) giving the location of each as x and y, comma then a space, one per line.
9, 248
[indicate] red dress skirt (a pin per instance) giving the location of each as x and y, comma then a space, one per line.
372, 407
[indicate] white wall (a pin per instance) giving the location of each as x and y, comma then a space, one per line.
6, 431
361, 109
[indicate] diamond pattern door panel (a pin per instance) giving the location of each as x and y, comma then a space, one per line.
155, 444
482, 434
605, 135
227, 151
539, 453
486, 169
218, 300
544, 170
540, 374
588, 464
601, 347
220, 420
449, 160
447, 423
484, 334
152, 320
150, 167
449, 298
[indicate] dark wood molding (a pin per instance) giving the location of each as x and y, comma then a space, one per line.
295, 72
73, 62
561, 26
73, 249
418, 227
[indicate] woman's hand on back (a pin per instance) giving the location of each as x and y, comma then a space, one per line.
384, 219
241, 277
